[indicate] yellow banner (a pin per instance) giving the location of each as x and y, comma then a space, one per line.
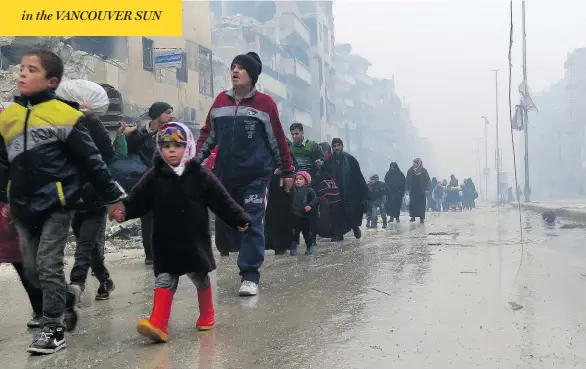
91, 18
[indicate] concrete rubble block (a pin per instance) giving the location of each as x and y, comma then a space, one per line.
6, 40
8, 83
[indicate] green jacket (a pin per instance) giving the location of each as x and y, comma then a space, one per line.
305, 155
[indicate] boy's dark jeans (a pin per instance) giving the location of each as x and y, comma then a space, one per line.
42, 255
372, 219
89, 228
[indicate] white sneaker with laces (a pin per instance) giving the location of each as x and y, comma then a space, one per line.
248, 288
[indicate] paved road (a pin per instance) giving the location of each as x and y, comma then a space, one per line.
402, 298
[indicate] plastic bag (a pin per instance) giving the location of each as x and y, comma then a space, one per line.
406, 199
82, 91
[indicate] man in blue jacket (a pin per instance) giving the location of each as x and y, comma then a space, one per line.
245, 125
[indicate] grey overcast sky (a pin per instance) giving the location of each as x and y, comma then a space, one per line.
441, 53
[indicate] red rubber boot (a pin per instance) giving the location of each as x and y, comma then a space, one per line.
207, 318
155, 327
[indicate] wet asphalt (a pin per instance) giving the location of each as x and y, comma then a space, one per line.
413, 296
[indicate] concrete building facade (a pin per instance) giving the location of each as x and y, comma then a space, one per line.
372, 119
295, 43
557, 140
128, 64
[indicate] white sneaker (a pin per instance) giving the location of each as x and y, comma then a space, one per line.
248, 288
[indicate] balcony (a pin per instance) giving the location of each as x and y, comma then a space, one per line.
344, 101
294, 67
270, 31
293, 32
345, 78
302, 116
364, 79
367, 100
271, 85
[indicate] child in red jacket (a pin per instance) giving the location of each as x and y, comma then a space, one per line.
10, 253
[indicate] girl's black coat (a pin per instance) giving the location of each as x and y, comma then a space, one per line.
181, 233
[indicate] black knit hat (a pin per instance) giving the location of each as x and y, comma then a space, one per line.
251, 63
158, 108
337, 141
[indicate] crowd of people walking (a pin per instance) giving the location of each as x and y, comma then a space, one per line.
59, 169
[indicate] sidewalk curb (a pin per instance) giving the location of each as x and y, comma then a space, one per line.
575, 215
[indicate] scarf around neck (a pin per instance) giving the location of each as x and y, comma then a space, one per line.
418, 168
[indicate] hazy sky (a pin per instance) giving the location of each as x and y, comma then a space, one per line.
441, 53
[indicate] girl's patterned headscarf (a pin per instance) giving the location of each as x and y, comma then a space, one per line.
179, 133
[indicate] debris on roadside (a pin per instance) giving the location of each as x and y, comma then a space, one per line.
548, 216
572, 226
386, 293
515, 306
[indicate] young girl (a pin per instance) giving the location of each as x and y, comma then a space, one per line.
304, 201
179, 191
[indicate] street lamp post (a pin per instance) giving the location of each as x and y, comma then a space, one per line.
486, 172
525, 115
498, 163
478, 157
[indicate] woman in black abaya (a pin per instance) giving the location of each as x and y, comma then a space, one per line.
395, 181
417, 186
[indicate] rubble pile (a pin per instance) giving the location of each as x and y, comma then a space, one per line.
6, 40
78, 64
8, 83
239, 21
228, 35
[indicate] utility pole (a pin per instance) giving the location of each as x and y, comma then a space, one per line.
498, 163
486, 170
479, 166
525, 107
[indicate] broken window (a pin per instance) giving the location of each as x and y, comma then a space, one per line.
104, 46
206, 75
181, 73
571, 93
148, 58
571, 72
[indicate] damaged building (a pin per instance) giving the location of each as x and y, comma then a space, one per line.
295, 43
324, 86
315, 82
130, 65
373, 120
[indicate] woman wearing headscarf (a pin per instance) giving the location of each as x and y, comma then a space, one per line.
395, 181
417, 186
